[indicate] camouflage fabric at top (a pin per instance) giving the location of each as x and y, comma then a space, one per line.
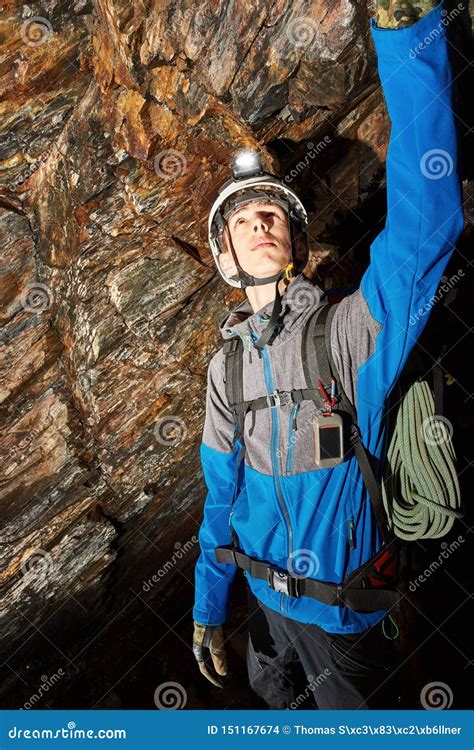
397, 14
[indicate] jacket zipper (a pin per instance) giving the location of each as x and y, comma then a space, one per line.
274, 457
236, 491
351, 533
291, 438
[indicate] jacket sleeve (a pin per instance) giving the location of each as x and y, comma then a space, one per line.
213, 580
424, 204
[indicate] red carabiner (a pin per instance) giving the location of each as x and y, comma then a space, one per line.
328, 402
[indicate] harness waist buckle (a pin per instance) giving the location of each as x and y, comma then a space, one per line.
280, 581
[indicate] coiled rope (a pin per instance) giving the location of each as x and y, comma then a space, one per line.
420, 488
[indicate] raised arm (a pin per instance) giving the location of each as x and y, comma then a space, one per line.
424, 205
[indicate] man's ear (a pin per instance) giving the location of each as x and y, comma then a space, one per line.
227, 263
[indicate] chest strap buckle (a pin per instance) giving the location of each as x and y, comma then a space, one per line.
279, 398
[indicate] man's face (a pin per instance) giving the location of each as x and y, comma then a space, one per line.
261, 239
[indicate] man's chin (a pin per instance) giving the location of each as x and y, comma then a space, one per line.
268, 270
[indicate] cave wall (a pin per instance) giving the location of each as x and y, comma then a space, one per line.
119, 121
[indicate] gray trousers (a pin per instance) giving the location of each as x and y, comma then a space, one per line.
299, 666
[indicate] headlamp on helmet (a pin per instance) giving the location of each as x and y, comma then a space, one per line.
247, 164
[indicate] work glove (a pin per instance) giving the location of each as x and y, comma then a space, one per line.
208, 648
399, 14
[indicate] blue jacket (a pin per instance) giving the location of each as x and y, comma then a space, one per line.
284, 509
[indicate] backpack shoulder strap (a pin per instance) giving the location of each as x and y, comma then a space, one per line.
234, 388
325, 357
314, 355
234, 381
319, 363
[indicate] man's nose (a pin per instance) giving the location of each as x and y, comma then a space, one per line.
261, 222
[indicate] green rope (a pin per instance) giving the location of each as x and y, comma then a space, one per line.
420, 488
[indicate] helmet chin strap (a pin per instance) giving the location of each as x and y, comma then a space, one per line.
249, 280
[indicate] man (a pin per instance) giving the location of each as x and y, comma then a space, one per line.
284, 508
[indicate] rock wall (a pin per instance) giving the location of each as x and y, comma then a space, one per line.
118, 123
